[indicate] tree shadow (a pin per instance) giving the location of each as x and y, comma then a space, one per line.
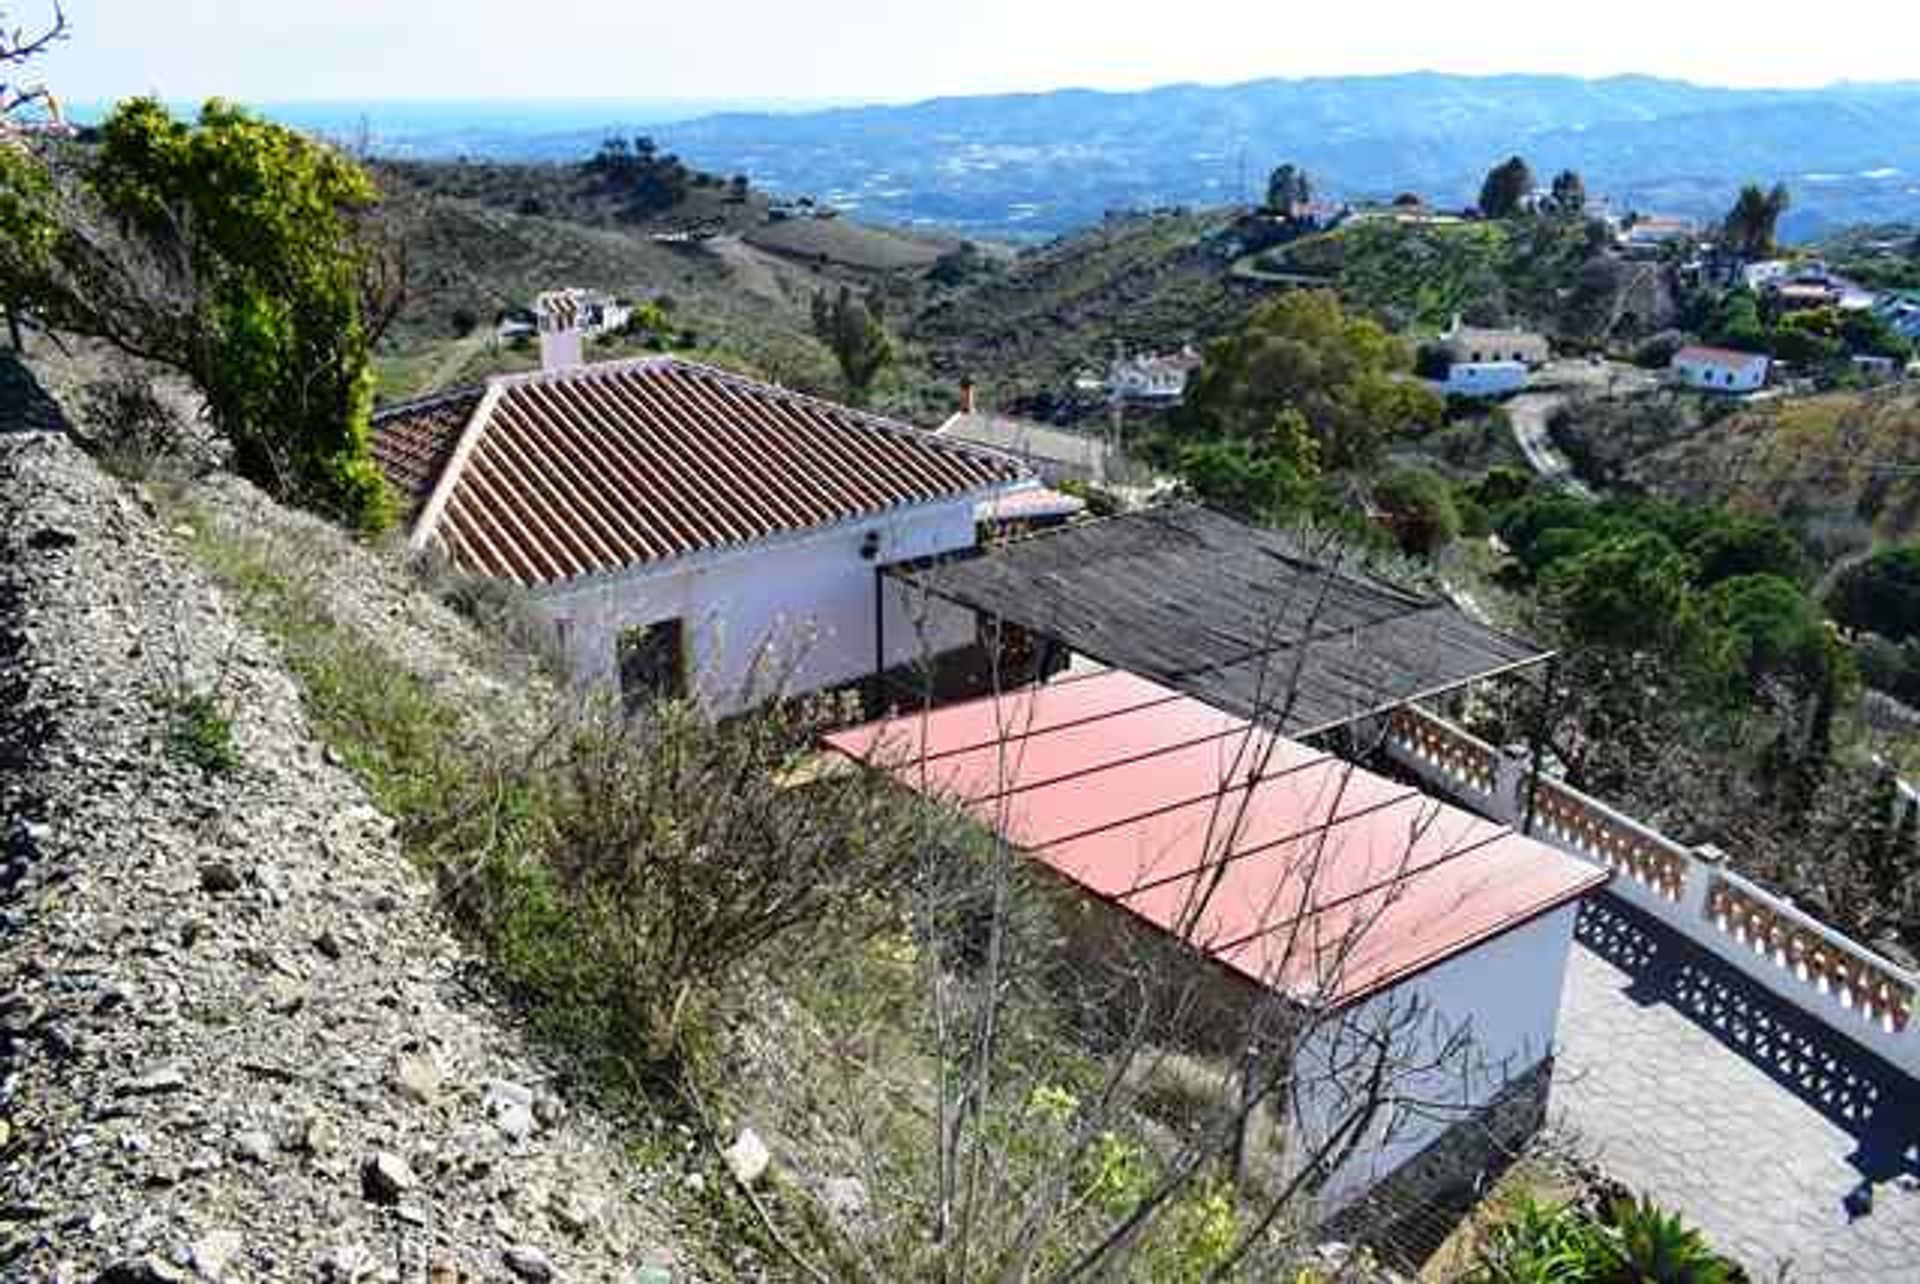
25, 405
1846, 1084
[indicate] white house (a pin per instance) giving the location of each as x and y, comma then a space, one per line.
1474, 345
1651, 232
1482, 379
565, 318
1152, 380
1719, 369
685, 529
1402, 934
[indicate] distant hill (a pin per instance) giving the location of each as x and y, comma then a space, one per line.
1037, 164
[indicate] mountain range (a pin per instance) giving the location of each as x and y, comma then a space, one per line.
1026, 166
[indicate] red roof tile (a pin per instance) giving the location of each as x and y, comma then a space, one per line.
588, 470
1260, 851
411, 441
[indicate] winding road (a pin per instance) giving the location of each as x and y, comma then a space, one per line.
1548, 388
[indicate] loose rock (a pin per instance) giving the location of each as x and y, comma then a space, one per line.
385, 1177
748, 1157
528, 1263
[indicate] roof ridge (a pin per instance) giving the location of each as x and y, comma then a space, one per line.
865, 420
426, 401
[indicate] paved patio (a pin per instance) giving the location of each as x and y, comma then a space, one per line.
1686, 1080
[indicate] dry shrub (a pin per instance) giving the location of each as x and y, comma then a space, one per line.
685, 847
503, 613
127, 426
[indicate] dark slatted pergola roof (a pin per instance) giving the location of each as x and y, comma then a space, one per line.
1246, 619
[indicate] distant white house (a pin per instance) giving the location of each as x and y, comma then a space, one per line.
1476, 345
1482, 378
563, 318
1874, 367
1719, 369
1152, 380
1756, 275
1650, 232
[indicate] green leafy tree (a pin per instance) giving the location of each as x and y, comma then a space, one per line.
1736, 323
1288, 188
1810, 338
265, 222
1302, 352
1867, 333
1506, 188
1419, 508
1881, 594
1628, 592
1751, 225
231, 250
1569, 193
853, 331
1267, 480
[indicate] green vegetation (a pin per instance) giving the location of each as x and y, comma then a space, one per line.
639, 176
1808, 338
1881, 594
1624, 1242
1569, 194
1301, 366
200, 734
1288, 188
1553, 272
853, 331
1506, 188
1420, 510
1751, 225
230, 250
1302, 388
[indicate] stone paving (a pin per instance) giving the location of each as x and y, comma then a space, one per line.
1687, 1081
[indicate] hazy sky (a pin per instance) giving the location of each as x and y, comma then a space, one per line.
858, 49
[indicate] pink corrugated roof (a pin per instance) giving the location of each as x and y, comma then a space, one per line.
1259, 850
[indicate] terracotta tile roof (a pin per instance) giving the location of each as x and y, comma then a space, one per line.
412, 440
1267, 855
1723, 357
584, 471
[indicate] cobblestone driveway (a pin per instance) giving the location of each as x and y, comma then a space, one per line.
1687, 1081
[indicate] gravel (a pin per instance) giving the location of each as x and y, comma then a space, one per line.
236, 1039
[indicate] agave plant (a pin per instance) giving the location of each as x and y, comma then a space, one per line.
1541, 1244
1644, 1244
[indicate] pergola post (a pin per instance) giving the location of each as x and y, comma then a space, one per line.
1537, 746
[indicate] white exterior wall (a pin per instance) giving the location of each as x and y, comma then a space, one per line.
806, 601
1484, 378
1504, 995
1713, 377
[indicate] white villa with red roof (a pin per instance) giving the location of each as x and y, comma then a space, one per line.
1720, 369
688, 530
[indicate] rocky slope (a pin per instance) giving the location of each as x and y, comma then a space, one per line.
235, 1040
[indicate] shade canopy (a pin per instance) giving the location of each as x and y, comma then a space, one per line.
1245, 619
1301, 872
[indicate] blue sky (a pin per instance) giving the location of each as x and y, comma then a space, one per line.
281, 50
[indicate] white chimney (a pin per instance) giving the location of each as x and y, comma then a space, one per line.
558, 314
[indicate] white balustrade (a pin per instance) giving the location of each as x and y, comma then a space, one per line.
1839, 982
